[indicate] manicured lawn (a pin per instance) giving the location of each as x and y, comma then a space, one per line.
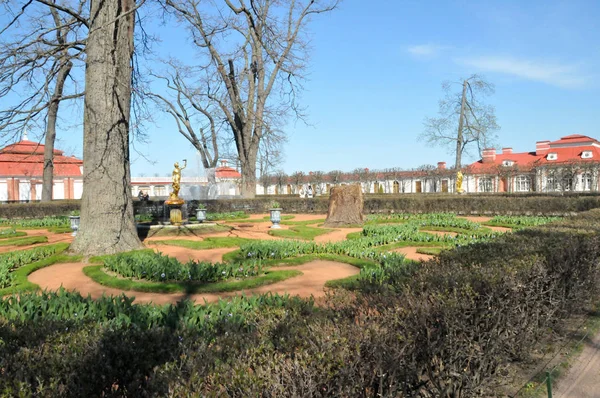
30, 240
207, 243
432, 251
22, 284
299, 232
96, 273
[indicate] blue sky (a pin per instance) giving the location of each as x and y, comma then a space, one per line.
376, 69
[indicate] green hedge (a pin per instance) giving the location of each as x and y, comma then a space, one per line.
527, 204
39, 209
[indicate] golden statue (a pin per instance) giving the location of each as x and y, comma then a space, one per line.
174, 197
459, 180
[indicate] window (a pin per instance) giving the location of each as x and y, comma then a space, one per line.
160, 190
507, 163
586, 155
552, 156
552, 184
567, 183
586, 181
486, 185
523, 184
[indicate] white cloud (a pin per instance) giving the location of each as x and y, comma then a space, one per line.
425, 50
561, 75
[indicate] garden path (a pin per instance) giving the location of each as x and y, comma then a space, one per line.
311, 283
410, 253
582, 380
52, 238
336, 235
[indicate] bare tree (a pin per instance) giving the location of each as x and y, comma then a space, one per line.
37, 52
254, 50
463, 119
107, 223
282, 180
335, 176
316, 180
197, 117
298, 178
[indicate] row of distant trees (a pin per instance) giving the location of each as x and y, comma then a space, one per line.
565, 176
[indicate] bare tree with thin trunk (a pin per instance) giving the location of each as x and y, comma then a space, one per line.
107, 223
39, 47
256, 51
197, 117
463, 119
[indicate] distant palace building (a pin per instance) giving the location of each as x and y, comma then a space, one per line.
571, 163
21, 170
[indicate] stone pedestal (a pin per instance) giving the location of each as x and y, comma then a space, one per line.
175, 216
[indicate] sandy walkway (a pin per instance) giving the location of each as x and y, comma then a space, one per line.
310, 283
336, 235
411, 253
582, 380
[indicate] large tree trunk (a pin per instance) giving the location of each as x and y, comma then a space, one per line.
107, 224
48, 173
248, 186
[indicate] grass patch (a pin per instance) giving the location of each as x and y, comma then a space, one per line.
501, 224
30, 240
305, 222
432, 251
299, 232
22, 284
207, 243
405, 243
15, 234
184, 230
458, 230
97, 274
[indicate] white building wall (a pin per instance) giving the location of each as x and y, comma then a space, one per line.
77, 189
3, 190
24, 190
58, 190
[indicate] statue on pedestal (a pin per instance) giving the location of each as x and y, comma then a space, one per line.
177, 181
459, 180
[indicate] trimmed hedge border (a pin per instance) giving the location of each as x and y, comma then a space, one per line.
468, 204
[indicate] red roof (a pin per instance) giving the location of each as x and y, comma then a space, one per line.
26, 158
227, 172
568, 149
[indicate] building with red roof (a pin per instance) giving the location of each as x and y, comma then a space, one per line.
21, 170
571, 163
568, 164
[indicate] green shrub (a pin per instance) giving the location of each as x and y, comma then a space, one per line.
157, 267
53, 221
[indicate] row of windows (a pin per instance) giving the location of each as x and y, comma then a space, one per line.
523, 183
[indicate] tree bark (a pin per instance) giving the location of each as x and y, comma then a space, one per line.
461, 122
248, 166
107, 224
48, 172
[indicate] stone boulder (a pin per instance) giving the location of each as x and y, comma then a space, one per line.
345, 206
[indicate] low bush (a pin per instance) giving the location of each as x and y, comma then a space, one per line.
53, 221
157, 267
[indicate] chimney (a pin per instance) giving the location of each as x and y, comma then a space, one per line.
542, 147
441, 165
488, 155
224, 163
506, 151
